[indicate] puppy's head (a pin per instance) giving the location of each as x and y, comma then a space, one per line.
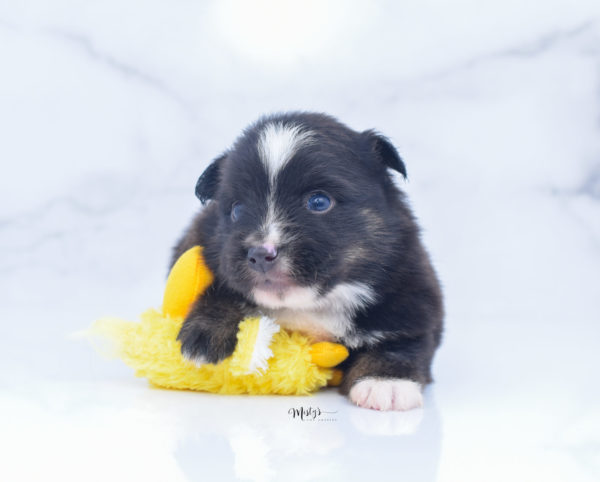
307, 212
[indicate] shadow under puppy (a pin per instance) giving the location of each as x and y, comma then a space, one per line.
304, 223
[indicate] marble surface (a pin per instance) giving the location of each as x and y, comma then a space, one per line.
110, 110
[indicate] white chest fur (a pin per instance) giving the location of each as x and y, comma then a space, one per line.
329, 317
318, 326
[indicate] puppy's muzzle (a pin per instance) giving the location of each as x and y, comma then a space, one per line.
262, 258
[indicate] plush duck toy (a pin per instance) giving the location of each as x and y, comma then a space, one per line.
266, 360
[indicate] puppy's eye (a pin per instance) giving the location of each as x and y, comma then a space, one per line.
319, 202
236, 211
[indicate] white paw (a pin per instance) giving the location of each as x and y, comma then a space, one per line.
387, 394
198, 361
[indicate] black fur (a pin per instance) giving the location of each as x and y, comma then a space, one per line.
386, 151
369, 236
208, 182
199, 339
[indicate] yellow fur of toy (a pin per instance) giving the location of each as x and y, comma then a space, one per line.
152, 349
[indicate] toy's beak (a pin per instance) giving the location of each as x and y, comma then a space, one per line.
327, 355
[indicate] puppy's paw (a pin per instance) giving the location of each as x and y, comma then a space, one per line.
198, 360
387, 394
201, 347
194, 348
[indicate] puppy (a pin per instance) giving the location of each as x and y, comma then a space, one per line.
304, 223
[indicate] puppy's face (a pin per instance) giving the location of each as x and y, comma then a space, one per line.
305, 209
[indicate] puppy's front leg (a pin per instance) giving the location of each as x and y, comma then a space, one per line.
208, 334
389, 376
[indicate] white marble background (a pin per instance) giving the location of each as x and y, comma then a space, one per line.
109, 110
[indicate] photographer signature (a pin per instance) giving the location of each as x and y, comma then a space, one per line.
311, 414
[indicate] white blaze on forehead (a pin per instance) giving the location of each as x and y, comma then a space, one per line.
271, 230
272, 225
277, 145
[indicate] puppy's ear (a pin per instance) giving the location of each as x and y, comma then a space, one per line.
384, 149
207, 184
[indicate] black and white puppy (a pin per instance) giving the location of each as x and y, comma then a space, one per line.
304, 223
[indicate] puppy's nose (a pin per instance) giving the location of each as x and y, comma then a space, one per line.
262, 258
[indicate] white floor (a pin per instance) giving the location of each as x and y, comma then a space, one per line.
109, 112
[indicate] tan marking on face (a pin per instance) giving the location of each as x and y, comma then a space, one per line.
374, 222
354, 254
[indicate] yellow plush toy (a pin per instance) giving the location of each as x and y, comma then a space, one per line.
266, 360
